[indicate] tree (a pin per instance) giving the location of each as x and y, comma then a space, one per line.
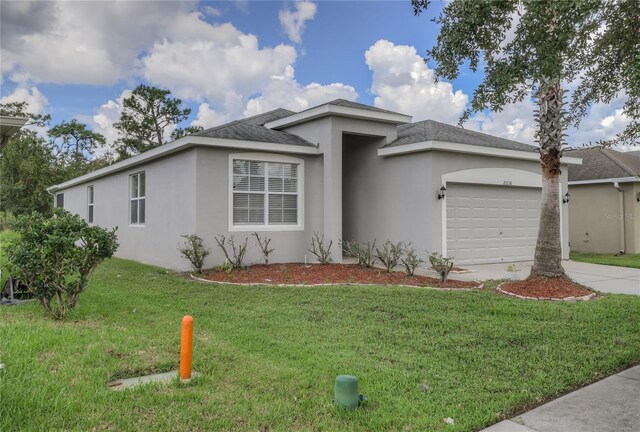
593, 43
27, 165
55, 257
146, 116
189, 130
74, 145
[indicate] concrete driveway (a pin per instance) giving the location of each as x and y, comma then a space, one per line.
608, 279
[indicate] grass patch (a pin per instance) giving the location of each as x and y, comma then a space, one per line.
269, 355
627, 260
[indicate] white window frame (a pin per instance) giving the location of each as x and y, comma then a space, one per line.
91, 211
267, 157
138, 198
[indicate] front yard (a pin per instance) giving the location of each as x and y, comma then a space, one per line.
269, 355
627, 260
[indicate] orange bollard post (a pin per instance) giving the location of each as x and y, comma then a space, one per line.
186, 347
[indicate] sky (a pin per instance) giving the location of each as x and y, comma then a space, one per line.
231, 59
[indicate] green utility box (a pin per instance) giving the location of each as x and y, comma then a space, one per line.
347, 393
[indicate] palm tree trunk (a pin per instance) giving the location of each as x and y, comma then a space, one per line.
547, 259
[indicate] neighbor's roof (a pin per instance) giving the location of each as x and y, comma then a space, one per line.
252, 129
599, 163
431, 130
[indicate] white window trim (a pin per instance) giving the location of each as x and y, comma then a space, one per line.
131, 199
91, 204
267, 157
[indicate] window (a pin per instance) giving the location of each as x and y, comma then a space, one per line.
60, 200
265, 193
137, 204
90, 204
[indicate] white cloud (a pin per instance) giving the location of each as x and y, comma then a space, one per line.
514, 122
211, 11
293, 20
37, 103
80, 42
283, 91
402, 82
207, 117
214, 63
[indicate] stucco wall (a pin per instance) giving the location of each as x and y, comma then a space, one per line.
170, 203
595, 218
212, 210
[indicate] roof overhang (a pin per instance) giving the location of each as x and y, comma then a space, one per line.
607, 180
182, 144
9, 126
337, 110
469, 149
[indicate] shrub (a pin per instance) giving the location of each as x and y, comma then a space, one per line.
263, 243
319, 250
195, 251
390, 254
363, 252
7, 220
442, 265
410, 259
55, 257
237, 251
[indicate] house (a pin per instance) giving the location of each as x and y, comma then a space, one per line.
604, 206
342, 169
8, 126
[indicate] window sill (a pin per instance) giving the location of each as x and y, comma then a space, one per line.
259, 228
136, 226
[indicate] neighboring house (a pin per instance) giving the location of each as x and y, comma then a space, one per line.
346, 170
604, 206
8, 127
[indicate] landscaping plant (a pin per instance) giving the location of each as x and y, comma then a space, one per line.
363, 252
237, 251
263, 243
319, 250
195, 251
55, 257
410, 259
390, 254
441, 264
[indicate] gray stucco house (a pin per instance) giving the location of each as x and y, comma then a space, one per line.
346, 170
604, 206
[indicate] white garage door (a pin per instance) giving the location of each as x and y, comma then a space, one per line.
491, 224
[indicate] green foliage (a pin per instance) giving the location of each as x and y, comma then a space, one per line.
55, 257
318, 248
189, 130
7, 220
74, 144
146, 115
390, 253
236, 257
363, 252
527, 46
195, 251
410, 259
441, 264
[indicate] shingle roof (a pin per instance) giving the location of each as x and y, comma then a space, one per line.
430, 130
599, 163
350, 104
252, 129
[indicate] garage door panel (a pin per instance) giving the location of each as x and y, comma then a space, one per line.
491, 223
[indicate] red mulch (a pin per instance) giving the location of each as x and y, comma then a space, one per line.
298, 274
543, 287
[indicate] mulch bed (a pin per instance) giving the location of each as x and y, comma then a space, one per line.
538, 287
316, 274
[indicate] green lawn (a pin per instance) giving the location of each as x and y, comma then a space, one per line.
630, 260
269, 356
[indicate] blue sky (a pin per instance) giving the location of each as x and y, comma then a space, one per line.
236, 58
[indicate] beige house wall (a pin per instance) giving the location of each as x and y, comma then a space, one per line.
596, 218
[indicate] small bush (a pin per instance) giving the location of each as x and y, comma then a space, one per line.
263, 243
442, 265
390, 254
237, 251
55, 257
319, 250
7, 221
363, 252
195, 251
410, 259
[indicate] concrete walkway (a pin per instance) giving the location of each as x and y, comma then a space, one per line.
610, 405
608, 279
